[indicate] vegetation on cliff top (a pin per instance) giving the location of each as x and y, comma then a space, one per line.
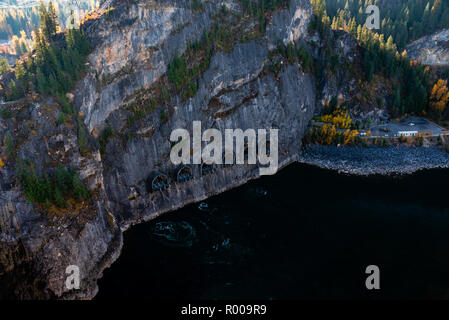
55, 66
56, 63
18, 21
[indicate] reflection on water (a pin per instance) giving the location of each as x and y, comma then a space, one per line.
178, 233
305, 233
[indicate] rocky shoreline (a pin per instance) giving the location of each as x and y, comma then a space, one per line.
366, 161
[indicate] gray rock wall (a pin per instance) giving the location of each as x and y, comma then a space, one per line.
235, 92
132, 48
431, 50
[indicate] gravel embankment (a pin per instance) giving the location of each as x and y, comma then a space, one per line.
375, 160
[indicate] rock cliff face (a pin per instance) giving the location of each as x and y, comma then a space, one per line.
133, 44
431, 50
36, 244
235, 91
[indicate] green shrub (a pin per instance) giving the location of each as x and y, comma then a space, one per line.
6, 114
163, 115
107, 133
57, 189
10, 147
196, 5
61, 118
83, 144
177, 72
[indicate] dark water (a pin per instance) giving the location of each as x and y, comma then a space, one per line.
311, 236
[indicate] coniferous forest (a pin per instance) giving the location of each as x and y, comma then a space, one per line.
52, 70
16, 17
403, 20
383, 49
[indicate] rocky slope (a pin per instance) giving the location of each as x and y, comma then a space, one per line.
431, 50
37, 243
133, 44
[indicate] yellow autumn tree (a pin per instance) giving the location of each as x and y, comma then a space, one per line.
349, 136
328, 134
340, 118
439, 96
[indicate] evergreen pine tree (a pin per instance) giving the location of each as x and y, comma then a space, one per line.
42, 86
4, 65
